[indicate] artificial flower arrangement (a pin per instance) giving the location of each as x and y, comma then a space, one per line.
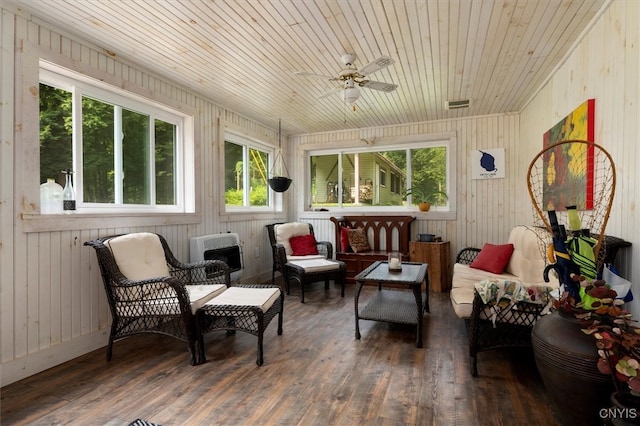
617, 338
594, 303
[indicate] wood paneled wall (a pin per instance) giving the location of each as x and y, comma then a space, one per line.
605, 66
53, 303
53, 306
485, 208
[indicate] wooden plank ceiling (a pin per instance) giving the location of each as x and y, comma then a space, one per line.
242, 54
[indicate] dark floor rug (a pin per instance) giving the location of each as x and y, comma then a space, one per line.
140, 422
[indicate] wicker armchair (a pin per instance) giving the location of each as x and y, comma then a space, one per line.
307, 268
492, 328
511, 328
325, 248
150, 291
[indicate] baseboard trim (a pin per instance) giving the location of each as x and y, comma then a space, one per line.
23, 367
28, 365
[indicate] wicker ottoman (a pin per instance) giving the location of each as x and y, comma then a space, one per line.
247, 307
314, 270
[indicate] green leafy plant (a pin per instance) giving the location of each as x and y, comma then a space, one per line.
617, 338
419, 195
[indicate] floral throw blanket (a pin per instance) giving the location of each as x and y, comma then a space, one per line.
499, 294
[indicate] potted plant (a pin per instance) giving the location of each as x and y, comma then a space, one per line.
617, 338
424, 199
279, 182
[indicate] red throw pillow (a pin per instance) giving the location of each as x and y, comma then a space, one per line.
344, 239
303, 245
493, 258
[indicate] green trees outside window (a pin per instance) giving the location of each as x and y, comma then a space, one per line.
377, 178
127, 157
56, 144
246, 175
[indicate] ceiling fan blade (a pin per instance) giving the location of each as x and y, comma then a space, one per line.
378, 85
308, 74
330, 92
378, 64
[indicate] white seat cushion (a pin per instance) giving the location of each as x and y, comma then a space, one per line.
307, 257
467, 276
285, 231
263, 298
316, 265
201, 294
529, 252
462, 301
462, 291
526, 265
165, 302
139, 255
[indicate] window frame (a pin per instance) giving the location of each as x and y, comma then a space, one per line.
274, 199
448, 140
81, 85
383, 177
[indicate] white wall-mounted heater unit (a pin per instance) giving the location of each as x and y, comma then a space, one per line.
225, 247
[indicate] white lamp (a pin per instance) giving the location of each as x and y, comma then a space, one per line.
350, 94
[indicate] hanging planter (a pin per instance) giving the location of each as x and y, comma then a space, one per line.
279, 182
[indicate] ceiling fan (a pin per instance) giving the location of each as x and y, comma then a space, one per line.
351, 78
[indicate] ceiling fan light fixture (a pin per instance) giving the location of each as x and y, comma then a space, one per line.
352, 78
350, 94
348, 59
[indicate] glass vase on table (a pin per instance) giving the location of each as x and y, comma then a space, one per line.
394, 260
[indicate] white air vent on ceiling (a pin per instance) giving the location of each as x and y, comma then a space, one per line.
462, 103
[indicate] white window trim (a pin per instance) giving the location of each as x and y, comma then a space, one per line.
390, 143
185, 153
244, 137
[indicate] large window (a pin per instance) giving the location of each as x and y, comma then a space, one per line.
126, 154
246, 171
357, 179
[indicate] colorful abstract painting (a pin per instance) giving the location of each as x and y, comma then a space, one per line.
568, 169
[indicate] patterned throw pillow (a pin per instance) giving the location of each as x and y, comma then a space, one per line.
358, 240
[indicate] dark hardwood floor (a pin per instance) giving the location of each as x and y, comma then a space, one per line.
316, 373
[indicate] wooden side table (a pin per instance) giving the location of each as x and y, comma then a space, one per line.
436, 254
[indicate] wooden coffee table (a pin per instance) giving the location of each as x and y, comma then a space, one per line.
395, 306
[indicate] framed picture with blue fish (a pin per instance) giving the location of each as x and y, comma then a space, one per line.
487, 163
568, 169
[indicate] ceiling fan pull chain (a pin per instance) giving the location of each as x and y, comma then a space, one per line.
344, 110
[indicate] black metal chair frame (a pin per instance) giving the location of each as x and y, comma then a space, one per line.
168, 312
